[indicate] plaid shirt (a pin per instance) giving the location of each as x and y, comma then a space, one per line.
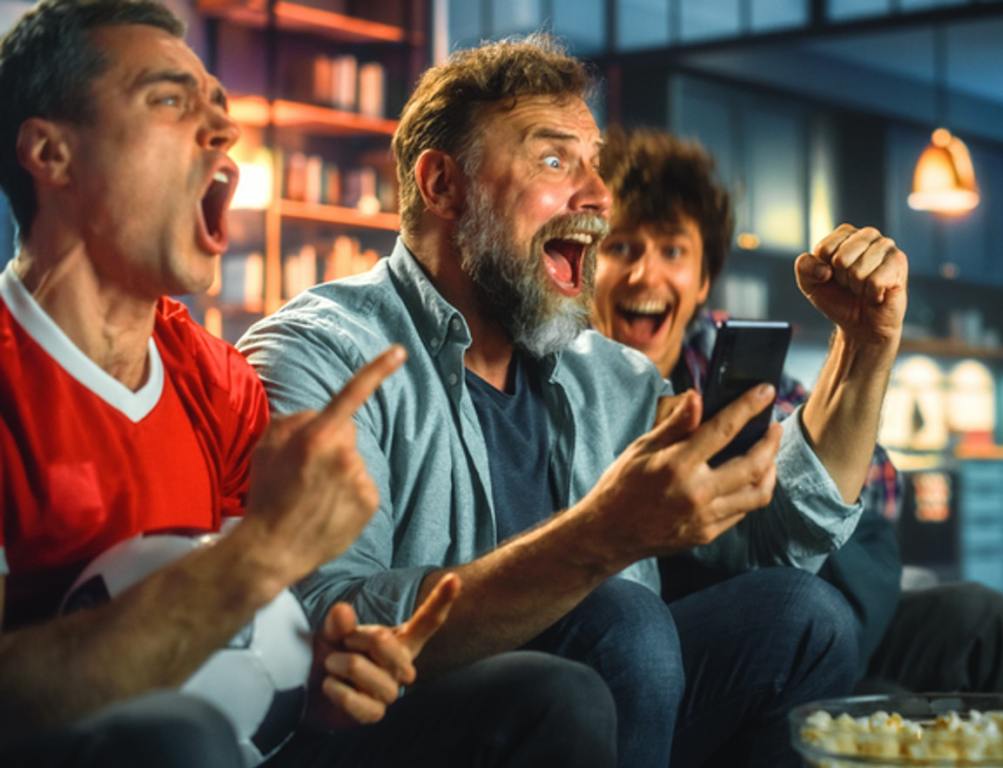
882, 492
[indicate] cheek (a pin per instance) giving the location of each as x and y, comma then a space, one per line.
606, 278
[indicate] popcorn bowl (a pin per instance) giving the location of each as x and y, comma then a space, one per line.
923, 729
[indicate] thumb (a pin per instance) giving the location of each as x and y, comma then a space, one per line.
339, 623
676, 417
811, 272
430, 615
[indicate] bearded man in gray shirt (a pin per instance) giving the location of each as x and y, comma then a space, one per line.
535, 460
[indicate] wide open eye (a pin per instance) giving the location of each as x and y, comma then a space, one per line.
553, 161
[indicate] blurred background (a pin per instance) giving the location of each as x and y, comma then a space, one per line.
817, 111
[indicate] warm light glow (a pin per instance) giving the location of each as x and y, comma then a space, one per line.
255, 188
747, 241
944, 180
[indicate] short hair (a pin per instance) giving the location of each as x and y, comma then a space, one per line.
47, 64
444, 109
655, 178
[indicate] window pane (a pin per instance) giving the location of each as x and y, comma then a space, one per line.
775, 14
917, 5
709, 18
510, 17
465, 29
641, 23
851, 9
774, 141
581, 23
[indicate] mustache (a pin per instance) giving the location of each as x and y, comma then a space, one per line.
574, 223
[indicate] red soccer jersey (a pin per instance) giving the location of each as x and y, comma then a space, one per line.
85, 462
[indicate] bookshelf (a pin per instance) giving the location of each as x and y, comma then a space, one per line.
314, 85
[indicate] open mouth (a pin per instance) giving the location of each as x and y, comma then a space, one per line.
564, 257
212, 229
641, 321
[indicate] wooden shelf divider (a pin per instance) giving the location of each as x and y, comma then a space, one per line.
257, 112
296, 17
338, 214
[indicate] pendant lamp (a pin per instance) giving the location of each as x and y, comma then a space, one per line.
944, 179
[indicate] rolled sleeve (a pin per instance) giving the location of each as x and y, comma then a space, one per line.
805, 521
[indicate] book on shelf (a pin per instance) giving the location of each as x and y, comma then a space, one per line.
347, 257
299, 270
344, 82
242, 278
372, 79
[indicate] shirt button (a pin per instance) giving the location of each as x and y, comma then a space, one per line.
454, 324
452, 379
433, 342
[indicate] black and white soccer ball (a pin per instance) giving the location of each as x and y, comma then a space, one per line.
259, 679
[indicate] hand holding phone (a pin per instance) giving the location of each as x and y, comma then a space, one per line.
746, 353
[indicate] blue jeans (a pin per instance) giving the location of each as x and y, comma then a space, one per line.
708, 680
164, 729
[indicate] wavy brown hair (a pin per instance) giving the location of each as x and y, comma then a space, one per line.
443, 111
655, 178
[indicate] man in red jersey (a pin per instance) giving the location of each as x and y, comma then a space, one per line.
121, 416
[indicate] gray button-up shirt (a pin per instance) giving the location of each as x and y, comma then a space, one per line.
422, 443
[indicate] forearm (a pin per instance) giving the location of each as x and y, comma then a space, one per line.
151, 636
842, 413
518, 590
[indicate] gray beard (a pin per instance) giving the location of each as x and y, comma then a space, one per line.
513, 288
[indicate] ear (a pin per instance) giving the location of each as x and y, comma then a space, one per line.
704, 288
441, 183
43, 150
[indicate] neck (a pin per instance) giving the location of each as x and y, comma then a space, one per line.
107, 323
490, 352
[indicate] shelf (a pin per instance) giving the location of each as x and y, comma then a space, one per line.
258, 112
295, 17
949, 348
337, 214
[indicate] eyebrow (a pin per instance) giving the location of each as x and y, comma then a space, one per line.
179, 77
555, 134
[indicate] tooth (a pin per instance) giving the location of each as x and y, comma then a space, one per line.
645, 307
220, 176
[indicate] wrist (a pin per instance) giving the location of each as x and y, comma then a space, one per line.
869, 350
255, 563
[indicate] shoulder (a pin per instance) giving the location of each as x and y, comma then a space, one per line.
600, 365
305, 352
338, 316
615, 359
194, 357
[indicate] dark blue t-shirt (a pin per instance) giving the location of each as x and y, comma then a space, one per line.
515, 430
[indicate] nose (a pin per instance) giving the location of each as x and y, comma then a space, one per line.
219, 130
646, 268
592, 194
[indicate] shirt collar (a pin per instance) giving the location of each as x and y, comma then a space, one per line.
435, 318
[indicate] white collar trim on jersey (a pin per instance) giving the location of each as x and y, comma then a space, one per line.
50, 337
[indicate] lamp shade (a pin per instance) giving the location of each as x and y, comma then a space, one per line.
944, 180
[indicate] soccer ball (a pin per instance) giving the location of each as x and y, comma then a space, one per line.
259, 679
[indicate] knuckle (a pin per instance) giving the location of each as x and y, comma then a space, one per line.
871, 233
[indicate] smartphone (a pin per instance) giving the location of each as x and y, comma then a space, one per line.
746, 353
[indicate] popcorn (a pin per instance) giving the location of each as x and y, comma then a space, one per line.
948, 739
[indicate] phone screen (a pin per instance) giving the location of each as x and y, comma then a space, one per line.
746, 353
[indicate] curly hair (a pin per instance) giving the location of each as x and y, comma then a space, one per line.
47, 64
655, 178
443, 111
